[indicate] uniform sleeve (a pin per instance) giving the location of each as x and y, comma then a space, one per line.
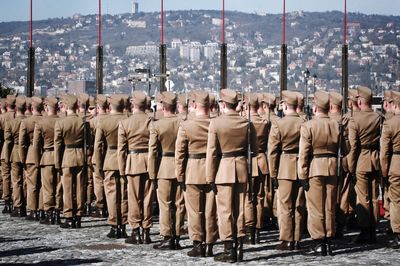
212, 160
254, 141
353, 141
98, 151
386, 143
273, 150
122, 148
22, 140
180, 153
58, 144
8, 142
36, 143
304, 152
153, 152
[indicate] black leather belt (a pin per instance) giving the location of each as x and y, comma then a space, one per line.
294, 151
396, 153
73, 146
112, 147
197, 156
325, 155
48, 149
138, 151
370, 147
233, 154
168, 154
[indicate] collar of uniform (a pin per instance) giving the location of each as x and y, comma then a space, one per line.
117, 113
368, 111
52, 116
293, 114
73, 114
233, 113
323, 116
170, 116
138, 112
202, 116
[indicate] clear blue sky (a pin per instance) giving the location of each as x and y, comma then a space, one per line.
13, 10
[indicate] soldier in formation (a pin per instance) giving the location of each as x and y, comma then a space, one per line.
124, 155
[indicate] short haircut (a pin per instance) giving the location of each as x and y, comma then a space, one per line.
231, 106
169, 107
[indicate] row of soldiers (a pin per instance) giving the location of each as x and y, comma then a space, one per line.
197, 163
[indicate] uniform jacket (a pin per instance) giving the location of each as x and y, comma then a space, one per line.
283, 147
11, 138
364, 131
259, 163
163, 134
26, 151
317, 137
70, 131
43, 140
390, 147
106, 143
3, 119
228, 133
192, 139
133, 134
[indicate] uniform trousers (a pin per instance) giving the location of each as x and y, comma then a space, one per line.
89, 184
202, 213
33, 184
292, 208
367, 190
231, 201
6, 177
394, 195
346, 199
115, 188
172, 207
270, 201
73, 191
254, 209
140, 200
17, 178
50, 182
321, 204
98, 184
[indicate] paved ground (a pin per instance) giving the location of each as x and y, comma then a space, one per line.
24, 242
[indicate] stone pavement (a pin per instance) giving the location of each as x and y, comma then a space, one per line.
23, 243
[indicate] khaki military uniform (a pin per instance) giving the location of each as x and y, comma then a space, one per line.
226, 166
254, 209
11, 151
190, 155
363, 161
106, 163
283, 150
43, 145
318, 164
30, 159
89, 186
163, 135
5, 165
98, 180
69, 157
386, 199
389, 159
133, 145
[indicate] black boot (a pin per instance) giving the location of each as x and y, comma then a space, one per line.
319, 248
258, 238
339, 231
198, 250
177, 245
7, 207
18, 212
209, 250
329, 245
395, 242
37, 215
362, 237
372, 235
69, 223
113, 232
239, 249
121, 231
48, 218
146, 236
167, 243
229, 254
31, 216
250, 235
285, 245
88, 210
57, 217
135, 238
78, 221
297, 245
42, 216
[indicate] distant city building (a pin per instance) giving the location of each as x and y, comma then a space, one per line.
135, 7
176, 43
210, 50
184, 52
194, 54
148, 49
81, 86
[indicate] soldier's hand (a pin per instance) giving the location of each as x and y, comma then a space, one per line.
182, 185
275, 183
155, 183
353, 178
214, 188
305, 185
60, 171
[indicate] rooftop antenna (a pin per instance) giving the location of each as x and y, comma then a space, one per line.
99, 57
30, 86
224, 74
345, 55
283, 76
